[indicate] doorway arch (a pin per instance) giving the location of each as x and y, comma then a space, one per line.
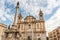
29, 38
39, 38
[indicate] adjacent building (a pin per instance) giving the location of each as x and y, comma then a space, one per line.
3, 27
55, 34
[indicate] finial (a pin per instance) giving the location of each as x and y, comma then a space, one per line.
17, 3
21, 14
29, 14
40, 13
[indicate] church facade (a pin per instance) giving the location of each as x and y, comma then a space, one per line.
29, 29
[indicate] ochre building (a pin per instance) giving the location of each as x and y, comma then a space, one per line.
55, 34
3, 27
29, 29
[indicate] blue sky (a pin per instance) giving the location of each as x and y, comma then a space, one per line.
50, 8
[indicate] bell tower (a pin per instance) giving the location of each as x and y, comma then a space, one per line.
42, 25
41, 16
19, 18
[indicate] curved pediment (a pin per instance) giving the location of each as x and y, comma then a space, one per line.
3, 25
30, 19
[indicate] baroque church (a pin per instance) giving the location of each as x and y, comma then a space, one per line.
29, 29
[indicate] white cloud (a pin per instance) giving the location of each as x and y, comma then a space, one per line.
3, 13
51, 4
2, 10
53, 22
34, 3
